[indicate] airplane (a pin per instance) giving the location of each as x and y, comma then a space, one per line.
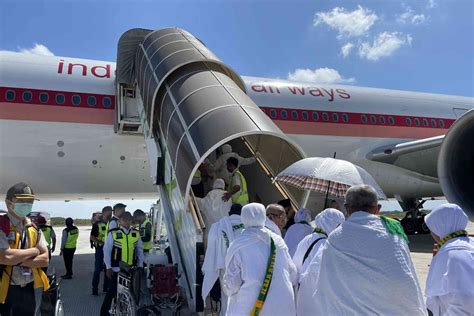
140, 128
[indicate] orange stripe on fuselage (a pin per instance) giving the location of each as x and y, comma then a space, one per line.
357, 130
48, 113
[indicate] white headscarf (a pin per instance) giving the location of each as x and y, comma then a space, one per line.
302, 215
446, 219
329, 219
226, 148
218, 184
253, 215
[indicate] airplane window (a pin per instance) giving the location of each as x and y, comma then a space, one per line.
284, 114
335, 117
425, 122
408, 121
441, 123
273, 113
417, 121
363, 118
382, 120
433, 123
91, 101
305, 115
106, 102
391, 120
345, 118
44, 97
27, 96
373, 119
10, 95
315, 116
60, 99
76, 99
325, 116
294, 115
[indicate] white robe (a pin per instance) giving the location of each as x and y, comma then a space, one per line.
271, 226
246, 264
214, 260
295, 234
450, 282
212, 206
366, 271
303, 247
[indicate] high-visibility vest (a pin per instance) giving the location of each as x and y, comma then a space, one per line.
39, 277
102, 231
124, 246
46, 229
147, 245
241, 197
116, 222
71, 240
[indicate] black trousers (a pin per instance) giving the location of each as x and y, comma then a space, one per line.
111, 293
68, 256
20, 301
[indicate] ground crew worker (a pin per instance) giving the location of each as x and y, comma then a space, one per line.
145, 228
118, 210
48, 233
98, 236
237, 185
23, 252
68, 246
123, 244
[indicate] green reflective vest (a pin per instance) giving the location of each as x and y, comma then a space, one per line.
124, 246
147, 245
102, 231
241, 197
72, 236
47, 233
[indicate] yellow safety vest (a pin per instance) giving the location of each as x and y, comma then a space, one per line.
124, 246
241, 197
39, 277
147, 245
116, 220
47, 233
71, 240
102, 231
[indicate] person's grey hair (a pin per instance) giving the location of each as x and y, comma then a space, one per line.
361, 197
275, 208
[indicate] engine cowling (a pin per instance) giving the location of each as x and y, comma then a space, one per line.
456, 164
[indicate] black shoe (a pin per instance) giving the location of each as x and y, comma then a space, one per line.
95, 292
66, 276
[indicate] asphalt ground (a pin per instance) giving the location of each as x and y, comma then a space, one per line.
77, 292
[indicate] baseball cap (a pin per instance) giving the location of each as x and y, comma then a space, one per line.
119, 206
20, 191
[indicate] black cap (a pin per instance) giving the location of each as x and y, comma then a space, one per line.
20, 191
119, 206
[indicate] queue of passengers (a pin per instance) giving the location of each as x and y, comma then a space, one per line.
358, 264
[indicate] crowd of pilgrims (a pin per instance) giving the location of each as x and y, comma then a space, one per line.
263, 261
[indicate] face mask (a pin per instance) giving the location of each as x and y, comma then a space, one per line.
23, 209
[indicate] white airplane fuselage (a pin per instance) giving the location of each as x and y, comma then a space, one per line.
57, 128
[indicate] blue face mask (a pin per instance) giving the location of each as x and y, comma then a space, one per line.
23, 209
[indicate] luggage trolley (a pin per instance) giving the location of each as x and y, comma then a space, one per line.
51, 303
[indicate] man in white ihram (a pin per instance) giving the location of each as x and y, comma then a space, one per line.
212, 205
220, 166
366, 267
308, 256
259, 274
450, 282
299, 230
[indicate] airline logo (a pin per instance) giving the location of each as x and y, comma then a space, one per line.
98, 71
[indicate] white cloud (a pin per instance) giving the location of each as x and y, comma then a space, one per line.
384, 45
432, 4
346, 49
409, 16
38, 49
348, 23
320, 75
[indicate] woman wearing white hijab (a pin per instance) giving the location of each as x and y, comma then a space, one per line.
450, 283
308, 260
299, 230
247, 267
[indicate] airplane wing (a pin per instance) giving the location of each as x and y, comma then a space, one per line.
419, 156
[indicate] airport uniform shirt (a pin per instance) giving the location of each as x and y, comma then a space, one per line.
108, 246
113, 223
17, 278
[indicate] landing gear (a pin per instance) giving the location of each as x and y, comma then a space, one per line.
414, 220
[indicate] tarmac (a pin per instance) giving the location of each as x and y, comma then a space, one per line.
77, 292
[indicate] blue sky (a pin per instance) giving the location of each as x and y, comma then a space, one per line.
422, 45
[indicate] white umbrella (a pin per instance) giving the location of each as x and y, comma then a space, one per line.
327, 175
